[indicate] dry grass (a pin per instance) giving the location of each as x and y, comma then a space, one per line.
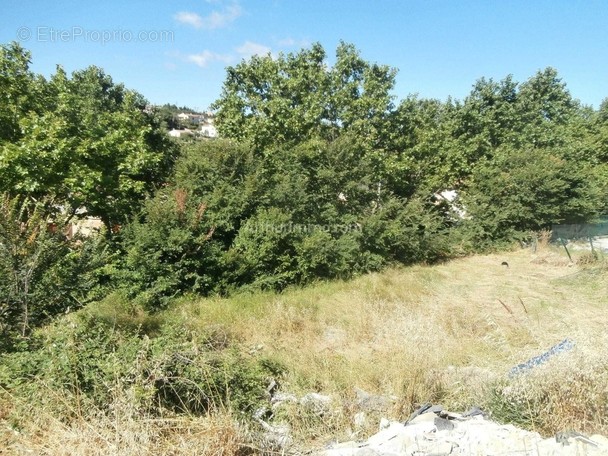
569, 392
447, 333
125, 433
426, 333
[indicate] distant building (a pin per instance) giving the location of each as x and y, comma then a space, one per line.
180, 133
208, 130
191, 118
205, 121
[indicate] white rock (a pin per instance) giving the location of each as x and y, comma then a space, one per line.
473, 436
425, 417
281, 398
600, 440
384, 423
315, 399
360, 419
278, 434
317, 403
393, 430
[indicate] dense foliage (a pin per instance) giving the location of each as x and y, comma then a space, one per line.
287, 100
100, 362
320, 173
84, 142
42, 272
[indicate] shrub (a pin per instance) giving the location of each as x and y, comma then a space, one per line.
82, 363
264, 253
405, 232
293, 215
42, 272
170, 251
525, 190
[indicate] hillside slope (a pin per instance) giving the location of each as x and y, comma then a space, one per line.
448, 333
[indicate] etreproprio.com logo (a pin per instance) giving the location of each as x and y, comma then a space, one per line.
46, 34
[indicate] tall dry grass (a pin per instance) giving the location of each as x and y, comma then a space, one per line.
124, 432
446, 334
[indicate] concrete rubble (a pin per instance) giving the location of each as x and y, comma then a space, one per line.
432, 431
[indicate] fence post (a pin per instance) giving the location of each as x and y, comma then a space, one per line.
566, 248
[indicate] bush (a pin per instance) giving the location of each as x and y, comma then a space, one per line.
82, 363
264, 253
42, 272
291, 216
272, 252
170, 251
406, 232
525, 190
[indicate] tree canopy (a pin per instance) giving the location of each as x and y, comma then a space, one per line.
291, 98
320, 172
82, 141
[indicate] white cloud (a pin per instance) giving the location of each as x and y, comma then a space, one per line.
291, 42
249, 49
219, 19
193, 19
215, 20
206, 57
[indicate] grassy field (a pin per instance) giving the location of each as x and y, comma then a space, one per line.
446, 334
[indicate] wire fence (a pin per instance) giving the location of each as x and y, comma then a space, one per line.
596, 234
580, 231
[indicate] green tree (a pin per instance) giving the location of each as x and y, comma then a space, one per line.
524, 190
544, 106
21, 91
423, 157
90, 145
486, 119
295, 97
600, 132
170, 251
292, 215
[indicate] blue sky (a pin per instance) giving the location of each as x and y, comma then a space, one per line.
176, 51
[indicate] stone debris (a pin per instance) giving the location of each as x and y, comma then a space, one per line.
276, 436
360, 420
367, 402
431, 430
282, 398
316, 403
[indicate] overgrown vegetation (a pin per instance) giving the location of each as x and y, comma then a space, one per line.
87, 358
319, 174
42, 273
417, 334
